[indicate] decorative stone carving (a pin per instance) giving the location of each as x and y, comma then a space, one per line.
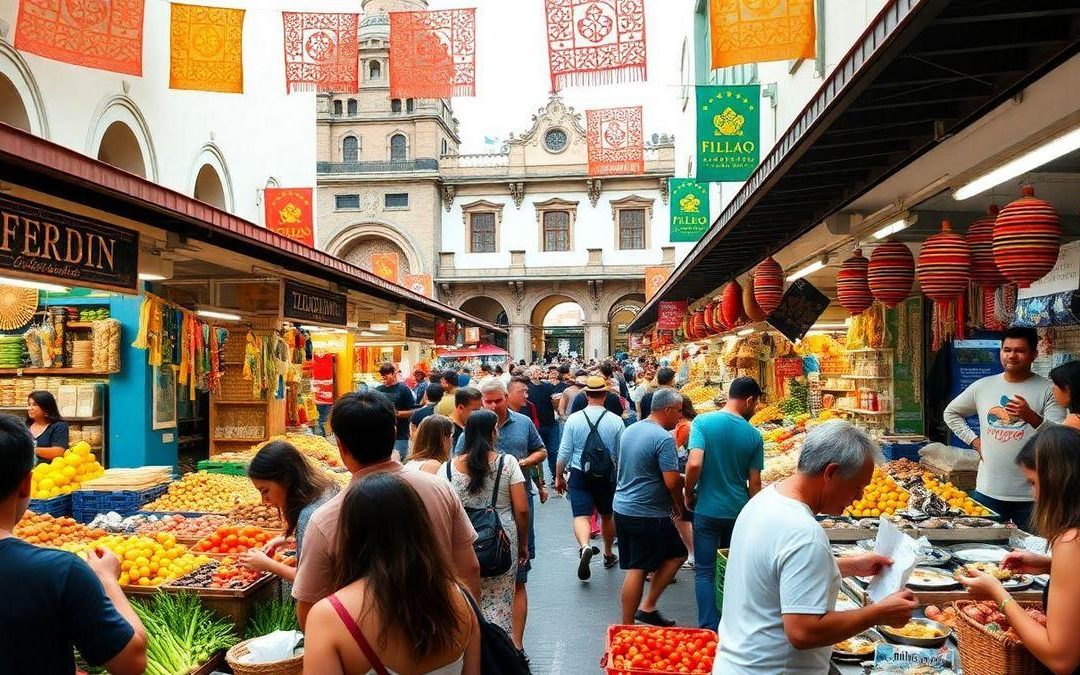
595, 292
554, 114
447, 293
517, 291
664, 190
517, 192
448, 194
595, 189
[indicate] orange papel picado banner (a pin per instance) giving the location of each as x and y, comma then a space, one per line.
290, 213
207, 45
433, 54
421, 284
94, 33
320, 52
654, 280
385, 265
752, 31
616, 141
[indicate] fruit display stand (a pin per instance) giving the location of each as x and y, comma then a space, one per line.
655, 646
234, 604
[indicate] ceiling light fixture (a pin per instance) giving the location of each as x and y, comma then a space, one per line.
891, 229
36, 285
1029, 160
213, 314
149, 276
809, 269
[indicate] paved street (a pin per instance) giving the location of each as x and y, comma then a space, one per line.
568, 618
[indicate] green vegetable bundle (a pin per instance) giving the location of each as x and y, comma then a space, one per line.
272, 615
182, 634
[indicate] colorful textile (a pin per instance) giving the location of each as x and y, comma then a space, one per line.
207, 49
616, 141
289, 212
688, 209
728, 132
385, 265
320, 52
593, 42
433, 54
752, 31
93, 33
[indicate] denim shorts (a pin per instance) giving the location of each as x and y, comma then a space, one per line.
587, 495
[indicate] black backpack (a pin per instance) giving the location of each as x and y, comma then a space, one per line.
498, 655
492, 546
596, 463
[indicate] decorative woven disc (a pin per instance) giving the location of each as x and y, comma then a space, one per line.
17, 306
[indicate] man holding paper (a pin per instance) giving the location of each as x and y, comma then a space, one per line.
782, 580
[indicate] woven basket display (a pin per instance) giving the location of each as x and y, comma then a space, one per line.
984, 652
290, 666
17, 306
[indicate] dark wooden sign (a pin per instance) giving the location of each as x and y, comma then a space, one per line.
419, 327
308, 304
800, 307
64, 248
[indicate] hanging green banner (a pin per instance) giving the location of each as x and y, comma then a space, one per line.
728, 132
688, 204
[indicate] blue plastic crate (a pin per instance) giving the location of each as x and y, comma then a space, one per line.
86, 504
894, 451
54, 506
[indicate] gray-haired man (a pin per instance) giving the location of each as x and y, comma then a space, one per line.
782, 579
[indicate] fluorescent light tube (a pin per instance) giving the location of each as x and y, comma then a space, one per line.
891, 229
37, 285
1031, 159
809, 269
745, 331
148, 276
224, 316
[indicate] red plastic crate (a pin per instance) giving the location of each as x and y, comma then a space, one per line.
606, 659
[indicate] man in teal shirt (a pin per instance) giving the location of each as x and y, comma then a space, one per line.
727, 455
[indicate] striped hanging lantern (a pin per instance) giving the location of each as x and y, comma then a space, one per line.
891, 273
768, 285
985, 274
1027, 236
732, 299
718, 316
750, 306
944, 271
852, 289
710, 325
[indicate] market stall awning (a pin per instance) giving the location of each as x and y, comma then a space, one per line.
470, 352
45, 166
922, 71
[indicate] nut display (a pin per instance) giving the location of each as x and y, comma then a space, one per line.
206, 493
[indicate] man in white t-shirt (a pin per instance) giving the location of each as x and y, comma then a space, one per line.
782, 580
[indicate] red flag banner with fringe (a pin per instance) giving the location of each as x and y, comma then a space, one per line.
593, 42
320, 52
95, 34
433, 54
616, 141
750, 31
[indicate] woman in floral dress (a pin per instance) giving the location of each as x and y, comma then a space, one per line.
473, 476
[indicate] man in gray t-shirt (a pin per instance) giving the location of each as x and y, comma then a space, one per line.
647, 493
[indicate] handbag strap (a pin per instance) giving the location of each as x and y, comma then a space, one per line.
448, 476
498, 477
480, 620
358, 635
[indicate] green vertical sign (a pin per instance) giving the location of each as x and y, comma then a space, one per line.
904, 325
688, 205
728, 132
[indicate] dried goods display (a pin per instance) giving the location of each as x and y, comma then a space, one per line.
65, 474
259, 515
315, 447
45, 530
701, 394
206, 493
105, 334
221, 574
183, 527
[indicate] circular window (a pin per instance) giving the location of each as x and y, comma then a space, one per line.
555, 140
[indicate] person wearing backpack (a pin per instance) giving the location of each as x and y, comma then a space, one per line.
492, 489
648, 496
588, 449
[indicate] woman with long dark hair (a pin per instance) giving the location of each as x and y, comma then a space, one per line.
431, 444
50, 431
1066, 379
473, 476
1050, 461
287, 480
399, 608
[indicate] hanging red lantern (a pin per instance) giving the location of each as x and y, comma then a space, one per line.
984, 271
718, 317
891, 273
944, 270
710, 325
750, 306
852, 288
732, 304
1027, 236
768, 285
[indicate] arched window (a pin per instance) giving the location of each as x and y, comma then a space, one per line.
374, 70
352, 107
398, 148
350, 149
337, 108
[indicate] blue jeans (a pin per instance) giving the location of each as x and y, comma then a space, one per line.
710, 534
551, 434
324, 417
523, 571
402, 447
1018, 512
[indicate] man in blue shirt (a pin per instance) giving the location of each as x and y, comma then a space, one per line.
648, 495
727, 455
55, 602
589, 494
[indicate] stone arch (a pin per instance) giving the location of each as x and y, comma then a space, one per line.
121, 108
620, 313
210, 178
349, 239
535, 300
548, 339
19, 92
489, 309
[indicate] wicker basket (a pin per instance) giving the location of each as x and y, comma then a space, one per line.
290, 666
987, 653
